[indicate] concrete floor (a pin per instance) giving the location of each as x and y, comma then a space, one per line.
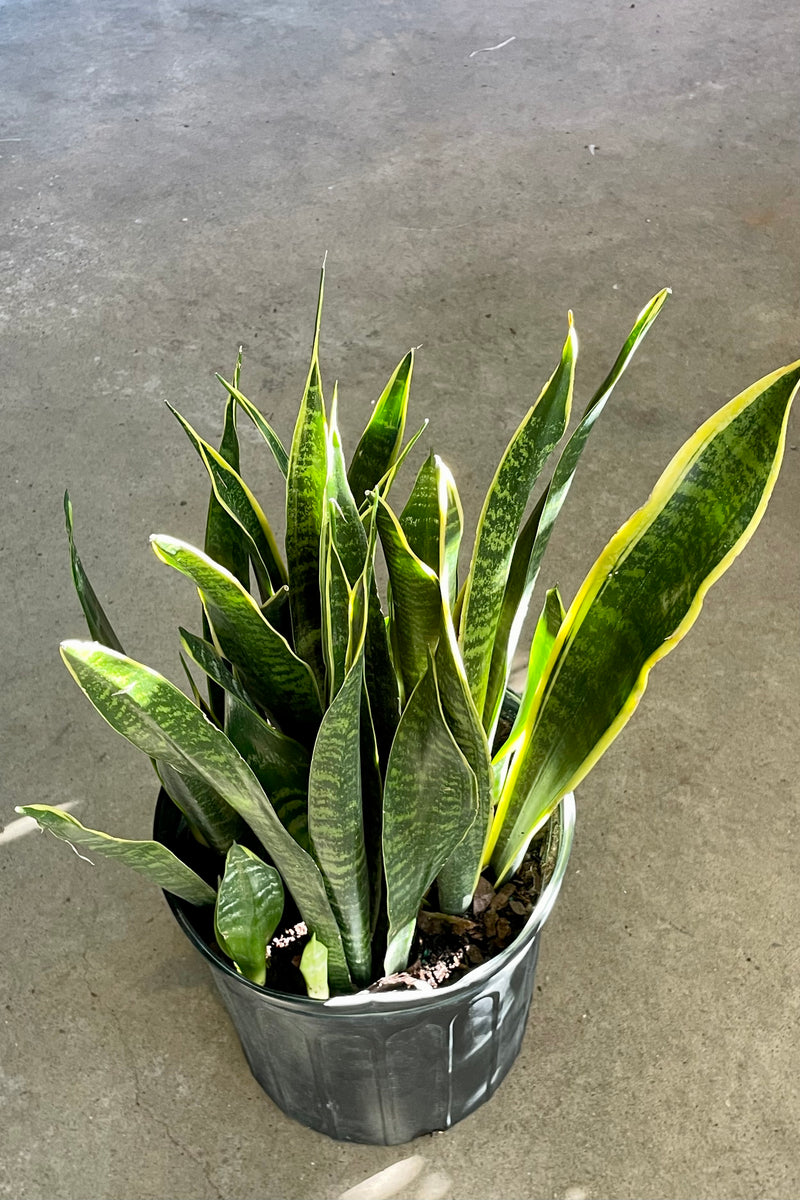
172, 173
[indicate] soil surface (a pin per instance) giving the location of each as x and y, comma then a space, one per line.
445, 948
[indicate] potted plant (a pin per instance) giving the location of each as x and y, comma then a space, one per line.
359, 827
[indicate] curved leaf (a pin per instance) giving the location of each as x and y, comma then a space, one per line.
151, 859
380, 442
99, 625
640, 598
535, 534
433, 521
236, 499
502, 514
216, 668
270, 670
249, 906
262, 425
155, 716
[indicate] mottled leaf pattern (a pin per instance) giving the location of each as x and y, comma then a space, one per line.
533, 540
415, 606
305, 500
249, 906
429, 803
270, 670
335, 814
641, 597
502, 515
206, 811
151, 859
155, 716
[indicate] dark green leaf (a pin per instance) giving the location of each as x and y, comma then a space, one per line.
415, 608
279, 764
502, 515
335, 818
305, 500
429, 804
208, 814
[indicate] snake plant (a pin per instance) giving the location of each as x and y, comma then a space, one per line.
346, 751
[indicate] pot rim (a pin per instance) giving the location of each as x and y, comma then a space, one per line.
363, 1002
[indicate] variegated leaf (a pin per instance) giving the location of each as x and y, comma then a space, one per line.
249, 906
150, 859
535, 535
380, 442
639, 600
155, 716
502, 514
429, 804
270, 670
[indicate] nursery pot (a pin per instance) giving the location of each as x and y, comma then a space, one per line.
384, 1068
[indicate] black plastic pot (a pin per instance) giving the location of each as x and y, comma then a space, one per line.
384, 1068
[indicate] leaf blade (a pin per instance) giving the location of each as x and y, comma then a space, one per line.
642, 596
240, 505
270, 670
148, 858
414, 617
248, 907
305, 499
99, 625
502, 513
262, 425
429, 803
156, 716
535, 535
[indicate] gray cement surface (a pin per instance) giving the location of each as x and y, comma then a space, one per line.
172, 173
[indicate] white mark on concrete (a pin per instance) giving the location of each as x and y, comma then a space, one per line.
434, 1185
576, 1193
17, 829
499, 46
387, 1183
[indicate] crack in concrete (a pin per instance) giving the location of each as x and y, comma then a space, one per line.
140, 1103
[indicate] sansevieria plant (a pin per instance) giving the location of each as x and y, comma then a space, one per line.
346, 751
